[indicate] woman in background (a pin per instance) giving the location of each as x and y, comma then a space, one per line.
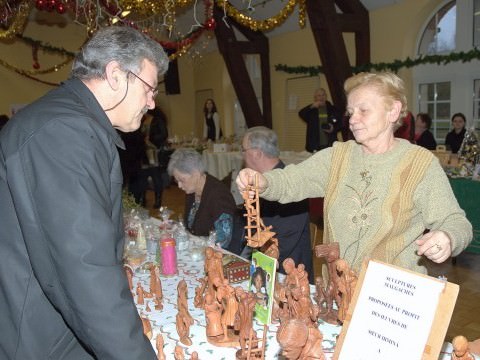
454, 138
209, 204
211, 127
423, 136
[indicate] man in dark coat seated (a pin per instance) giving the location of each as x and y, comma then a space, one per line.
291, 221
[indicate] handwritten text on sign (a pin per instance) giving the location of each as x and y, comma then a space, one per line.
393, 315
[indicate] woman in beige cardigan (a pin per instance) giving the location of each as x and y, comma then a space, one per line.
385, 198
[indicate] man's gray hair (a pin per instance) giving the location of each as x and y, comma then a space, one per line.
185, 161
264, 139
123, 44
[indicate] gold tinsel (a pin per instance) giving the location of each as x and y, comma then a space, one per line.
150, 7
35, 72
18, 22
267, 24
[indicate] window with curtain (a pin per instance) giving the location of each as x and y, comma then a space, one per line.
444, 89
435, 100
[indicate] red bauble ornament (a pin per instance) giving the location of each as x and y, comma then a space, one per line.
61, 8
50, 5
210, 24
40, 4
36, 65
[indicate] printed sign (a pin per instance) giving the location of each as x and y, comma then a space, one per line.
393, 313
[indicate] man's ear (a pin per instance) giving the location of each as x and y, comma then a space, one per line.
114, 74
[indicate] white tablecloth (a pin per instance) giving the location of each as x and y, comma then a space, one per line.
163, 321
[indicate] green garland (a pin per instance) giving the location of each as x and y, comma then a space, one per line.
393, 66
46, 47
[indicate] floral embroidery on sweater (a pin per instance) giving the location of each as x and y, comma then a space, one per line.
361, 212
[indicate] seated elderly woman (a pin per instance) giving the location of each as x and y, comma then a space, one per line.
209, 204
381, 193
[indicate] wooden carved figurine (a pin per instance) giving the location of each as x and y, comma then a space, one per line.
178, 353
184, 319
320, 293
263, 238
155, 282
198, 300
460, 349
299, 341
213, 315
331, 253
244, 320
213, 270
346, 283
158, 303
226, 294
147, 327
159, 345
140, 295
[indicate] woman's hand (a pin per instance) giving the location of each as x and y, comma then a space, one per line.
435, 245
246, 177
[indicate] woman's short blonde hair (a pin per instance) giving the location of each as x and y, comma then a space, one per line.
388, 85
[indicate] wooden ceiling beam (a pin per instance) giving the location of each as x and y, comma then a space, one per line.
328, 27
232, 51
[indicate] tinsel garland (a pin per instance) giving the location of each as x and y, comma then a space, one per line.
18, 22
394, 66
46, 47
267, 24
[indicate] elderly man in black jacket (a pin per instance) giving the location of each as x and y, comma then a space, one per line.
63, 291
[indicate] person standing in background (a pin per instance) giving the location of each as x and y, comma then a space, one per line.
454, 138
64, 292
423, 136
323, 122
155, 133
211, 127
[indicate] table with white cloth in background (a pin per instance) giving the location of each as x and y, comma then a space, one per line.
221, 164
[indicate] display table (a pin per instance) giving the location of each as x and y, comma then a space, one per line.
163, 321
467, 193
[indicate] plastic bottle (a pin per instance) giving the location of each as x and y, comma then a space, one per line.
181, 237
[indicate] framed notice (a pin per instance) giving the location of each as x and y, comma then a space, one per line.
396, 314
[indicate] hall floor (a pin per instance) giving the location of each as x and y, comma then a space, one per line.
466, 273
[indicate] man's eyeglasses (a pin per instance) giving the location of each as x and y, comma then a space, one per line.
244, 150
150, 87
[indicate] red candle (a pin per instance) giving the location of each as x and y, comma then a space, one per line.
169, 256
